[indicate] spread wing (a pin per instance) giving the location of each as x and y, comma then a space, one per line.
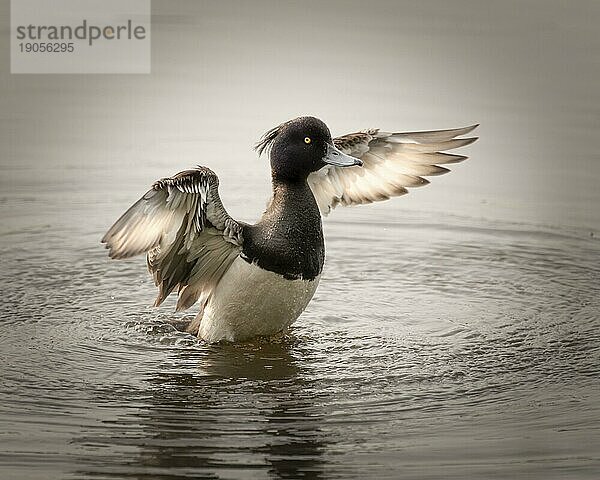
392, 162
189, 237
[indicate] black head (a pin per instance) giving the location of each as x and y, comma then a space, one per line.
301, 146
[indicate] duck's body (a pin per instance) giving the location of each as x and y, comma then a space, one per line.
276, 275
257, 279
251, 301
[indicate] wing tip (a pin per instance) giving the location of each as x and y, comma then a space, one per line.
115, 253
440, 171
468, 141
469, 128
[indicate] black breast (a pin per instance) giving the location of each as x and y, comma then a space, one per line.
288, 239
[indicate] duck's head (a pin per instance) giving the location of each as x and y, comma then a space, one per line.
301, 146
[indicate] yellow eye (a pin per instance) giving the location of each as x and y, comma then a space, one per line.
307, 140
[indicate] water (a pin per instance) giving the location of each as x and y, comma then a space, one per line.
441, 349
455, 333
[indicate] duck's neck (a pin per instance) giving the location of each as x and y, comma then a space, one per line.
288, 239
292, 198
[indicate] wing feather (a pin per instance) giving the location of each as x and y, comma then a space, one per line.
392, 162
190, 238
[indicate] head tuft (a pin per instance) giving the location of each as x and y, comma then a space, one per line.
266, 141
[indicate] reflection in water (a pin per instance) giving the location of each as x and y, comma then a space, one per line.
227, 408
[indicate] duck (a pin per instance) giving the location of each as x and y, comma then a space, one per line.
254, 280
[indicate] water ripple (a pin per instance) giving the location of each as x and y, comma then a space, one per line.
430, 337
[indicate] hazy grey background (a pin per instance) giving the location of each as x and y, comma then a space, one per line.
456, 331
224, 72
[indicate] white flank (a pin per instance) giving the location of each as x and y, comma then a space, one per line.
250, 301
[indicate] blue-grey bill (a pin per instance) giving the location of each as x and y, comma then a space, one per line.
333, 156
